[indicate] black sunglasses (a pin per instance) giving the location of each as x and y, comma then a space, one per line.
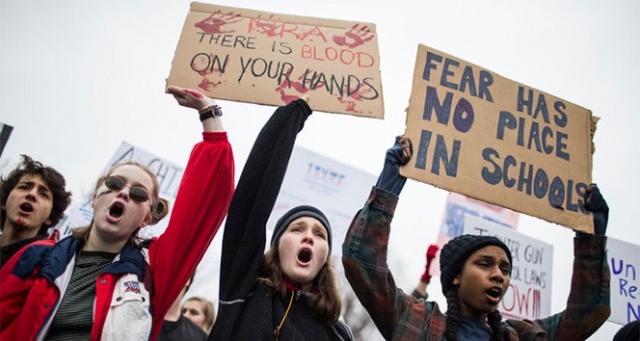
136, 193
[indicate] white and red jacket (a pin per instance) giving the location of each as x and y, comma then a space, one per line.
134, 292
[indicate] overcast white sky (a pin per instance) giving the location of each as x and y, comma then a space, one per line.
79, 77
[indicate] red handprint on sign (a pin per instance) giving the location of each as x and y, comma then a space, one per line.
214, 23
202, 65
354, 37
291, 90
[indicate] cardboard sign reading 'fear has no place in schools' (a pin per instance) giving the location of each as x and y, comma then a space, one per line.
265, 58
477, 133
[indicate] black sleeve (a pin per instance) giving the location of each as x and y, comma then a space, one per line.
254, 198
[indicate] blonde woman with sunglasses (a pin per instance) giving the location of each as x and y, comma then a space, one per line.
106, 283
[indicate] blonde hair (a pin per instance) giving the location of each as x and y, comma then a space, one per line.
207, 309
159, 206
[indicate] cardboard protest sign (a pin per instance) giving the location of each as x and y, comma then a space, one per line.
477, 133
169, 177
624, 262
529, 293
267, 58
337, 189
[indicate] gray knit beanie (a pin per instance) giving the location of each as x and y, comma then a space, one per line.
456, 252
295, 213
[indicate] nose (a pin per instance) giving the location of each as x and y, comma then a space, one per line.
124, 191
308, 238
32, 194
497, 275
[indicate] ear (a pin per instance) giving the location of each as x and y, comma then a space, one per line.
47, 222
146, 221
456, 281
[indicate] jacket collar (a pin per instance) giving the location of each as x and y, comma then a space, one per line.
130, 259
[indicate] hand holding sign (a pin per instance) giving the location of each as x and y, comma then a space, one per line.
594, 202
189, 98
398, 155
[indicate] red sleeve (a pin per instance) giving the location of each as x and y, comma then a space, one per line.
14, 290
199, 209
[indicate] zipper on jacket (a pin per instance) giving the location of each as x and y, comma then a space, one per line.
53, 308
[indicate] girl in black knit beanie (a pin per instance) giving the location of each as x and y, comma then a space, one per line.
475, 274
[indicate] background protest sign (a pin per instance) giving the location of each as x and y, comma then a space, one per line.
529, 294
458, 207
624, 262
484, 136
339, 190
169, 177
266, 58
5, 132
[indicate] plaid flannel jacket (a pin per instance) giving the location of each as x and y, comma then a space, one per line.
400, 316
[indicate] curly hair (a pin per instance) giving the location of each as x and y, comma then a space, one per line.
54, 180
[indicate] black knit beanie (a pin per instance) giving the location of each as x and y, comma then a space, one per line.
456, 252
295, 213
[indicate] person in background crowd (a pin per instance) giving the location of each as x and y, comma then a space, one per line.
291, 292
34, 199
104, 282
628, 332
475, 274
177, 327
421, 289
200, 311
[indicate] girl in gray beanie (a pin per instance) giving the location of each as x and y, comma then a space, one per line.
289, 293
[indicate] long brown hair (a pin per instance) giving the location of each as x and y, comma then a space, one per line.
159, 206
325, 304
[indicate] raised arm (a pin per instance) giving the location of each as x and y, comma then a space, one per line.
364, 252
588, 303
256, 193
201, 204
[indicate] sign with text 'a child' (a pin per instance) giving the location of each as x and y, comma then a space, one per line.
624, 263
487, 137
529, 293
267, 58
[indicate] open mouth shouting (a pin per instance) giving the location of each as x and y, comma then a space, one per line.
115, 212
494, 294
304, 257
26, 208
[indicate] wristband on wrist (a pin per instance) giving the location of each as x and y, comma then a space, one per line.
210, 111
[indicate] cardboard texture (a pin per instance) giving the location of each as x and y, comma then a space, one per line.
477, 133
267, 58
